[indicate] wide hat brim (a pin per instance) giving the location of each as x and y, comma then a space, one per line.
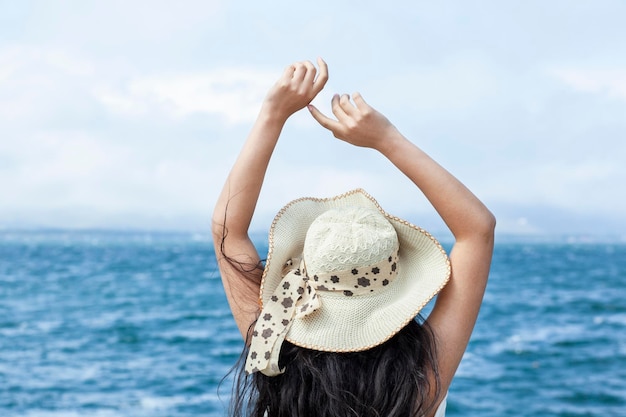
348, 324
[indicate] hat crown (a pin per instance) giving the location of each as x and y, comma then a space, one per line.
349, 237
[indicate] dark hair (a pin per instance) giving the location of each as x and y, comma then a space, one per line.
398, 378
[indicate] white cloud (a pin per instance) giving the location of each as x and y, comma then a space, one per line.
61, 169
609, 81
64, 155
36, 83
453, 86
583, 187
67, 172
15, 59
517, 226
234, 94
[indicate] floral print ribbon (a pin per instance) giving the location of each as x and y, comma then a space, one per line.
297, 296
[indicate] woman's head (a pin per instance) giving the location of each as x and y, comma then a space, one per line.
342, 276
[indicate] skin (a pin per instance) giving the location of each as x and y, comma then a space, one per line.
456, 309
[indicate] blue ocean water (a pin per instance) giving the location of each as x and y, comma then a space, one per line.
108, 324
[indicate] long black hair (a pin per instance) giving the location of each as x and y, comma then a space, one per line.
398, 378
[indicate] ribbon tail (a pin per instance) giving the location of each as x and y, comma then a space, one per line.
272, 368
293, 298
263, 354
272, 326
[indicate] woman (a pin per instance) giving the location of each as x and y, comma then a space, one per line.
326, 334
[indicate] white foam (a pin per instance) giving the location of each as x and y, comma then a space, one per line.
162, 403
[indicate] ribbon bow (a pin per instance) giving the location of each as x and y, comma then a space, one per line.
294, 297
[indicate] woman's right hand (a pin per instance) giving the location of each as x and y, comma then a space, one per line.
296, 88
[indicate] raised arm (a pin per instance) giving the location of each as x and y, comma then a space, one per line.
238, 259
455, 312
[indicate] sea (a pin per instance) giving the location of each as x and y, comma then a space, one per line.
136, 324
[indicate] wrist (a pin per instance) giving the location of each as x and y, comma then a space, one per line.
272, 114
390, 142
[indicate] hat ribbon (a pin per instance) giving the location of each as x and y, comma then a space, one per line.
293, 297
296, 296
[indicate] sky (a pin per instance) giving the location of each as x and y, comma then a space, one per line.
129, 114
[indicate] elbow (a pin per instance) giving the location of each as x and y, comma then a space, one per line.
481, 227
478, 228
490, 221
487, 226
223, 227
217, 230
218, 227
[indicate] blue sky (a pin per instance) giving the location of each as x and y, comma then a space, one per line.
128, 114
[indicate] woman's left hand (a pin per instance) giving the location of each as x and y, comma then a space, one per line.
357, 122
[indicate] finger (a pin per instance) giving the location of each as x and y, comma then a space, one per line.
309, 76
346, 105
300, 71
322, 76
288, 72
360, 102
324, 120
338, 111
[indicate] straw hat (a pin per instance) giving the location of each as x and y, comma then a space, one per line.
341, 275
